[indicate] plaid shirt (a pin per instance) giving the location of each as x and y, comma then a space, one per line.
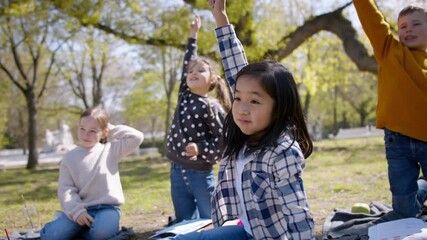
275, 201
232, 52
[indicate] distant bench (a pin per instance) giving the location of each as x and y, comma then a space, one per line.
358, 132
145, 151
9, 152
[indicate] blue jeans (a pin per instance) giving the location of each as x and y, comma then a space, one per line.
191, 192
219, 233
106, 225
405, 157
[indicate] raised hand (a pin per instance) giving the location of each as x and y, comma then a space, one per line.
219, 12
195, 26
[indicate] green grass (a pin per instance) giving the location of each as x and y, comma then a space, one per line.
339, 173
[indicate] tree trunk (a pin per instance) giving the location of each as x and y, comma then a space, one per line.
167, 123
307, 104
363, 115
335, 112
33, 156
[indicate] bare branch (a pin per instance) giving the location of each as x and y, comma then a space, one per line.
10, 75
15, 54
51, 63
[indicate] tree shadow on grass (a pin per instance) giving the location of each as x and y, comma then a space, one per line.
150, 170
21, 176
41, 193
34, 183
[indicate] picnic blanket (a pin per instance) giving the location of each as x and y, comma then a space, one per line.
342, 224
124, 234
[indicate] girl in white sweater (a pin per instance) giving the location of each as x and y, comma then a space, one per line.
89, 187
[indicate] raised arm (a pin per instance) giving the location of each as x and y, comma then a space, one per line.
124, 139
232, 52
190, 50
375, 27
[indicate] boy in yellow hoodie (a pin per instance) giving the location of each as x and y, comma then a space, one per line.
402, 99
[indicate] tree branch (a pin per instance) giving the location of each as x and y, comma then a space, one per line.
333, 22
15, 54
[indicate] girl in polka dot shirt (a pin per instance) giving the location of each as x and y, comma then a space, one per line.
194, 140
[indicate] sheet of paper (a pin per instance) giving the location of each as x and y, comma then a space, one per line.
399, 230
183, 227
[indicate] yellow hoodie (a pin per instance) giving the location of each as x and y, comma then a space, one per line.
402, 76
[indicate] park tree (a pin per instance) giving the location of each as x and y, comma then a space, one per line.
242, 14
323, 70
360, 95
16, 126
286, 33
155, 97
272, 29
142, 108
5, 99
145, 106
27, 58
83, 65
171, 65
282, 30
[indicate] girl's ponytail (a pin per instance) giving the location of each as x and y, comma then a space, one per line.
223, 93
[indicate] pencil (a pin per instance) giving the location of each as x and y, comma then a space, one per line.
7, 234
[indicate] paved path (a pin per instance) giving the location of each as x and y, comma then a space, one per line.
359, 132
16, 160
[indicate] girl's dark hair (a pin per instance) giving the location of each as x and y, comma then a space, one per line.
287, 113
101, 117
219, 84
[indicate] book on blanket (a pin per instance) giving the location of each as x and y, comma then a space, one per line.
402, 229
183, 227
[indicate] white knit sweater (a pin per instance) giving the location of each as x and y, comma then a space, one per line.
91, 177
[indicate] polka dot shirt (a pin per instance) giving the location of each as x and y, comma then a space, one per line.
197, 119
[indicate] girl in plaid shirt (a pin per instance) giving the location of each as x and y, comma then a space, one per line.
194, 140
266, 138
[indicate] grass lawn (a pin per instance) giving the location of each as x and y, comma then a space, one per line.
338, 174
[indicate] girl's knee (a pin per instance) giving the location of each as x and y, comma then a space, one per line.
101, 233
59, 229
51, 235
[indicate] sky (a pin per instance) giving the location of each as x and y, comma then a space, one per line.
324, 6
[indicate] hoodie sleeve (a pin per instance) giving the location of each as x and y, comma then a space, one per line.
375, 27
